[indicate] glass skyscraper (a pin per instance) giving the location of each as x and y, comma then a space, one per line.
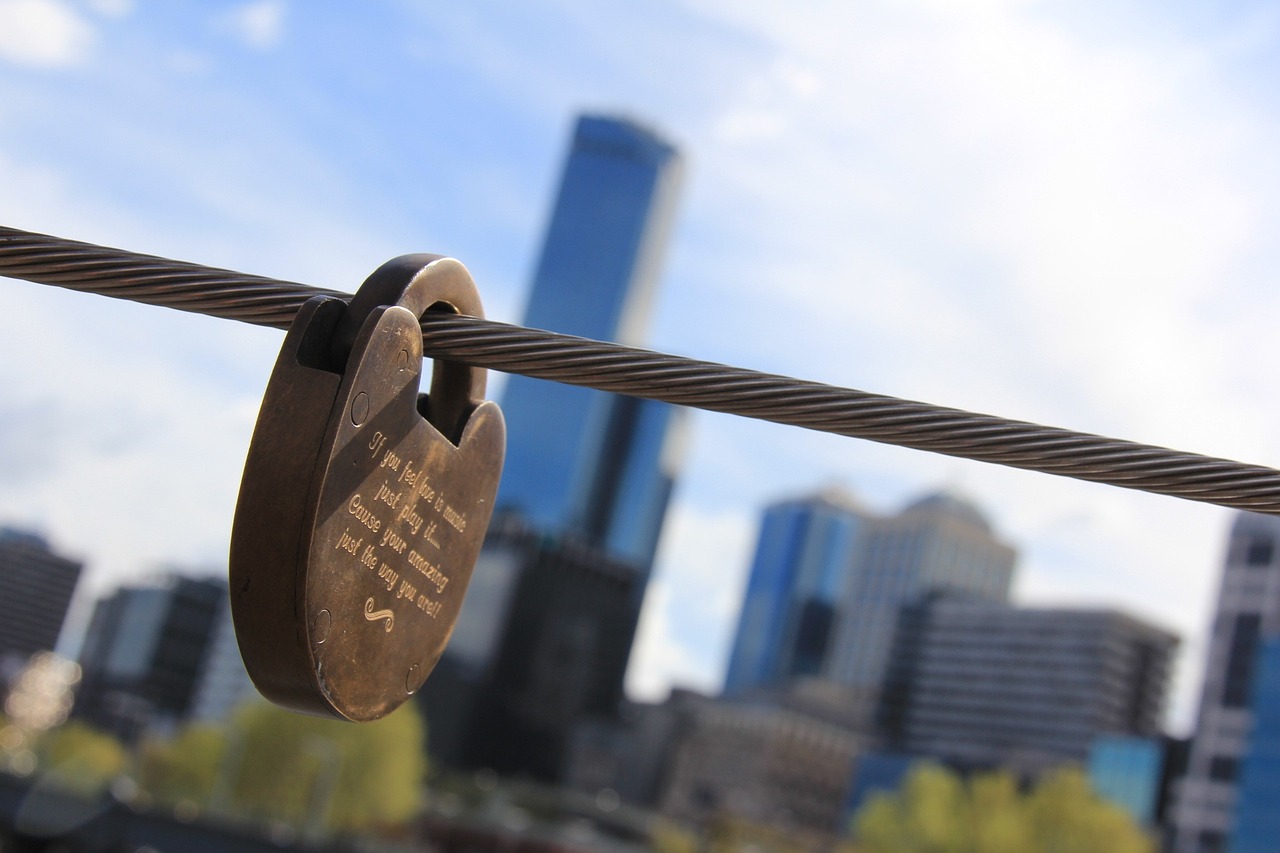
1248, 616
581, 462
828, 580
1257, 827
802, 563
546, 631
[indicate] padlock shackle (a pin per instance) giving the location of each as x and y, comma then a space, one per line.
422, 283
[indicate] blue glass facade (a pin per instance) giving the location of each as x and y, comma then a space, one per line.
803, 560
581, 461
1257, 813
1126, 771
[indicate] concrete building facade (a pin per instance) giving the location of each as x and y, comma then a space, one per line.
981, 684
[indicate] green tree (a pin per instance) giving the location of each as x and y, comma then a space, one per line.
937, 812
185, 768
81, 759
310, 771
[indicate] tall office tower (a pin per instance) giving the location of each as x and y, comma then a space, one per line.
1248, 613
580, 462
35, 590
145, 651
981, 683
941, 542
803, 562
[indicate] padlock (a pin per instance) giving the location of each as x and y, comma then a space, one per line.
363, 503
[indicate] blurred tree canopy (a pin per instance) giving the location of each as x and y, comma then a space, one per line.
184, 768
81, 759
938, 812
272, 764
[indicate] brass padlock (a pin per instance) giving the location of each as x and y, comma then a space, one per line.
363, 504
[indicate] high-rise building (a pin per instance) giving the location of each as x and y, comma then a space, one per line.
546, 631
828, 579
591, 465
147, 650
941, 542
1257, 826
1248, 613
980, 684
35, 591
804, 559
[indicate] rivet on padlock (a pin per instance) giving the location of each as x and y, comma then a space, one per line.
363, 504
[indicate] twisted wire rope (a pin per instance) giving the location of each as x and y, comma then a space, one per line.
643, 373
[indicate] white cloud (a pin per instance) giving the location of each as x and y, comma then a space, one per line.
43, 34
112, 8
259, 25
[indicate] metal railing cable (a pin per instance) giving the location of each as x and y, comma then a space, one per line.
658, 376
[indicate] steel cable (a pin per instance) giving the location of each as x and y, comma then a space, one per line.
658, 376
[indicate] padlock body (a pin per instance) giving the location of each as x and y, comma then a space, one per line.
354, 541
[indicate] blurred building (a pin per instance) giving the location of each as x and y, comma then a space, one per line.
542, 644
1257, 819
148, 653
980, 684
941, 542
828, 579
36, 586
597, 466
783, 757
763, 762
1126, 771
1248, 612
805, 556
545, 633
223, 684
632, 755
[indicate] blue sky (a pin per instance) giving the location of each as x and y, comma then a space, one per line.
1060, 212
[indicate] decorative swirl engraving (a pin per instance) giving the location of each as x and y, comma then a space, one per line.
374, 615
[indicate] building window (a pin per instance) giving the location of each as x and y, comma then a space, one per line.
1258, 552
1224, 768
1212, 841
1244, 644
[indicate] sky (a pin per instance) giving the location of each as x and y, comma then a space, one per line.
1062, 212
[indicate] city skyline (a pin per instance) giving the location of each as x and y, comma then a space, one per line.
1050, 213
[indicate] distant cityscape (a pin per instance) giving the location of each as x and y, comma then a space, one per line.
867, 643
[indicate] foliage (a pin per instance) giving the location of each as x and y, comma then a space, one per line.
729, 833
668, 837
81, 759
937, 812
184, 769
307, 770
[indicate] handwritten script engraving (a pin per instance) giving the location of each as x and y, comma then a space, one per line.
400, 520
